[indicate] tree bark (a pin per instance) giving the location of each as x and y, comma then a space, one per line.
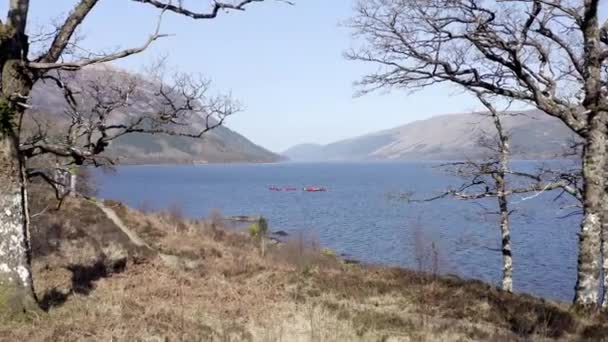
60, 179
503, 205
505, 234
604, 242
500, 179
589, 244
16, 286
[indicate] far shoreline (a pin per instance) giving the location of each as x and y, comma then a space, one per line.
331, 162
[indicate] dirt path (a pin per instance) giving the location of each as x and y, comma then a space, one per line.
169, 260
111, 214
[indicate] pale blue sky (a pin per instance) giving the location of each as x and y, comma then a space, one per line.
283, 62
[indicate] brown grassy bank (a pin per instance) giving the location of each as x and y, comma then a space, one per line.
194, 280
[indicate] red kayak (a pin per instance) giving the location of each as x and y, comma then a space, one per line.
314, 189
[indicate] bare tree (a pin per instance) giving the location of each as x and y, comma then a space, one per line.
488, 178
496, 168
21, 70
549, 54
105, 104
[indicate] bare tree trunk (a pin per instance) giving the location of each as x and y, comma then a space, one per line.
505, 233
501, 194
604, 255
594, 162
65, 180
59, 177
503, 204
16, 287
73, 180
604, 246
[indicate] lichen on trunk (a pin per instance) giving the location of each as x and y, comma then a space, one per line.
500, 180
16, 287
589, 246
505, 234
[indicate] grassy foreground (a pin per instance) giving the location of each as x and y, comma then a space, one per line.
168, 278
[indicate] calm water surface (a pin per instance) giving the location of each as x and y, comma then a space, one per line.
356, 217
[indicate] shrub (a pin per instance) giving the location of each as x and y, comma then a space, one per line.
329, 253
427, 252
259, 229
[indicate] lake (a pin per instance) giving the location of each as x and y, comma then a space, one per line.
356, 216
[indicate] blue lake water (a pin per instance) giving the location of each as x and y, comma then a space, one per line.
357, 217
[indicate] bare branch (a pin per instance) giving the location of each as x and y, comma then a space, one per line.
75, 65
64, 35
525, 50
104, 105
216, 8
50, 180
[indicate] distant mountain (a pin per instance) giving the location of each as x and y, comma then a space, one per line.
303, 152
534, 135
220, 145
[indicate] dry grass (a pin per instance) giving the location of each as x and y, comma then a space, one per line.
217, 287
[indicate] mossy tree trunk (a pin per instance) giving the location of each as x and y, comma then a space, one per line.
594, 160
16, 285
